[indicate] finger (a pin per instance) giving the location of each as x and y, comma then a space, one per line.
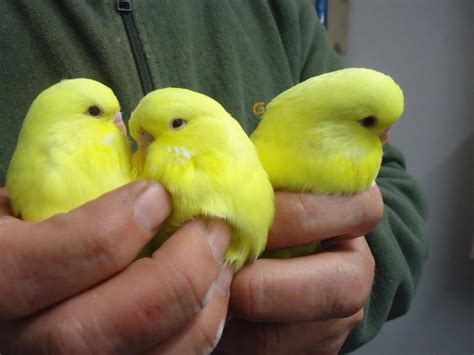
66, 254
333, 283
142, 306
203, 333
305, 218
320, 337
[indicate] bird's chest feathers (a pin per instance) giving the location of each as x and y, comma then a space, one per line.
83, 147
179, 155
110, 140
192, 177
185, 172
330, 161
340, 142
171, 165
350, 162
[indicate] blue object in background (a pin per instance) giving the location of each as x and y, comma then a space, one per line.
322, 11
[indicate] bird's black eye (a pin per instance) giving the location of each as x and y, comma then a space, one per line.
368, 122
94, 111
177, 123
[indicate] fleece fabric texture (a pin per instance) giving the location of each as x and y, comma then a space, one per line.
242, 53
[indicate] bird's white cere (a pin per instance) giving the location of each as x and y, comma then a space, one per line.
181, 154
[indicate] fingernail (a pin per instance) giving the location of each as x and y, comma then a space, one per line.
229, 317
221, 285
218, 238
217, 338
219, 332
224, 280
152, 207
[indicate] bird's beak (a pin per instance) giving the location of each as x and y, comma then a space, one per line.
144, 139
118, 121
384, 136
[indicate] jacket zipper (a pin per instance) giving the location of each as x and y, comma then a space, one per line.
124, 8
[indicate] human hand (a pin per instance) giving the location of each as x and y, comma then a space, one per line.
70, 284
306, 305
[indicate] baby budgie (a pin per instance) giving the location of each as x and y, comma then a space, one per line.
192, 146
72, 148
325, 135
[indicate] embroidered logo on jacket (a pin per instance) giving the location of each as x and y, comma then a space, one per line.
258, 108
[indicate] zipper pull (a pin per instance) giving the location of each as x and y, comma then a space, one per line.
124, 5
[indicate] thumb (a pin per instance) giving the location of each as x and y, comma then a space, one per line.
68, 253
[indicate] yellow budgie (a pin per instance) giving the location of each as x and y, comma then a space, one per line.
72, 148
325, 134
191, 145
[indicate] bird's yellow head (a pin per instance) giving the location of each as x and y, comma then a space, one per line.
361, 100
76, 99
180, 119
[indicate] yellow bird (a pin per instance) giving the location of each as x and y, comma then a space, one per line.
191, 145
325, 134
72, 148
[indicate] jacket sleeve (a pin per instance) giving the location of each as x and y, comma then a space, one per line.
399, 247
398, 243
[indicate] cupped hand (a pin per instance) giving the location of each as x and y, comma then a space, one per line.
71, 284
306, 305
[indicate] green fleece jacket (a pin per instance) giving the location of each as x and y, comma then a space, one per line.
240, 52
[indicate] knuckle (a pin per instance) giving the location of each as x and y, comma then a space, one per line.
375, 206
106, 246
252, 300
69, 337
338, 299
304, 216
356, 319
351, 295
16, 291
365, 261
181, 288
370, 211
107, 253
178, 300
359, 294
104, 240
370, 264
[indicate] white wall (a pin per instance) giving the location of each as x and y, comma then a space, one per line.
427, 46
